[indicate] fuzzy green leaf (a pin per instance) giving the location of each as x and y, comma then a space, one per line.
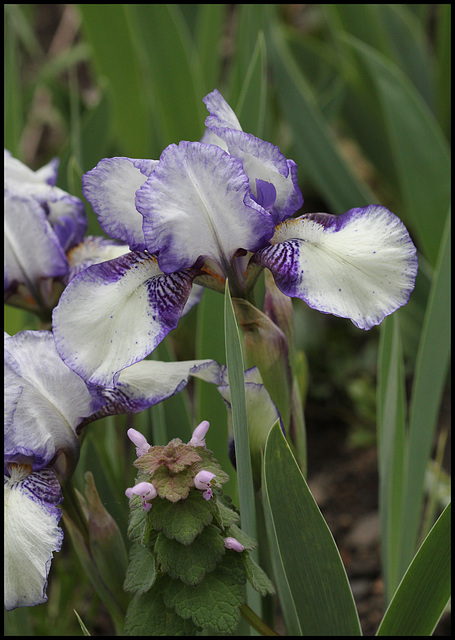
209, 463
141, 572
138, 520
183, 520
147, 615
215, 602
257, 576
190, 563
225, 514
235, 532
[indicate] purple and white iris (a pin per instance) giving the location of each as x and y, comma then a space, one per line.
42, 222
46, 407
210, 210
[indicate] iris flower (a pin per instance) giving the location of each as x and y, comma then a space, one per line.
216, 209
42, 222
47, 405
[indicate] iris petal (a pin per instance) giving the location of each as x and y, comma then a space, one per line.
261, 160
196, 205
115, 313
32, 249
110, 188
146, 383
31, 536
360, 265
53, 400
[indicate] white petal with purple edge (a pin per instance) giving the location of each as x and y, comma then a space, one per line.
111, 188
32, 250
220, 111
261, 410
53, 401
92, 250
261, 160
197, 204
146, 383
32, 535
115, 313
360, 265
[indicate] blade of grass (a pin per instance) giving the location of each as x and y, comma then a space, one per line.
176, 83
420, 153
429, 381
312, 581
391, 414
120, 65
425, 589
235, 367
252, 102
314, 146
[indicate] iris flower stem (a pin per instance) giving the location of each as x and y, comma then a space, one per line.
256, 622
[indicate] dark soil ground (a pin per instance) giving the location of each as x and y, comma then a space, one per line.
344, 482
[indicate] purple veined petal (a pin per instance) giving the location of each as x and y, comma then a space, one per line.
31, 534
360, 265
115, 313
149, 382
262, 161
110, 188
196, 205
32, 249
92, 250
42, 420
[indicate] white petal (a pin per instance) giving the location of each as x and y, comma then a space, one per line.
32, 535
111, 188
146, 383
261, 160
261, 410
92, 250
32, 249
52, 402
115, 313
196, 204
360, 265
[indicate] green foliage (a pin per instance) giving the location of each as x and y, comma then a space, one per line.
180, 569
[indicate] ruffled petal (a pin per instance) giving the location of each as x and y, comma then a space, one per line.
110, 188
32, 535
32, 249
196, 205
360, 265
67, 217
65, 213
92, 250
115, 313
261, 160
146, 383
45, 401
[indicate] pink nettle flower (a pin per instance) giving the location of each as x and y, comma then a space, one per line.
145, 490
198, 438
203, 481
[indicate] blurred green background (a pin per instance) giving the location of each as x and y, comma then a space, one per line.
358, 95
